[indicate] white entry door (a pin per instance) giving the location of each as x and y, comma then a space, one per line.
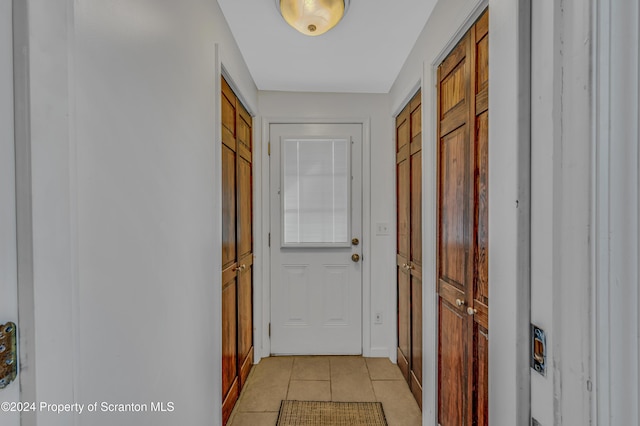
8, 244
316, 230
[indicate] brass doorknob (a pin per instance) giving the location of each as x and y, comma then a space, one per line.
355, 257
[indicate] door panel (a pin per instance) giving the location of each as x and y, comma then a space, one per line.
229, 333
404, 321
228, 206
416, 338
244, 236
316, 209
481, 377
452, 366
416, 208
463, 246
245, 321
453, 241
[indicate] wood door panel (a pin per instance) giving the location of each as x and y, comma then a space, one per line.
416, 209
403, 130
416, 330
228, 112
230, 400
453, 89
416, 122
457, 55
481, 272
482, 61
244, 192
481, 380
451, 366
404, 319
453, 177
228, 206
403, 194
229, 336
243, 128
245, 323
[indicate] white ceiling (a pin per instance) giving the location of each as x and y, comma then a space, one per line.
363, 53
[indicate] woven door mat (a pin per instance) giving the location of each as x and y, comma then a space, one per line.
324, 413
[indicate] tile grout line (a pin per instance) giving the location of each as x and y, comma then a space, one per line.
373, 389
330, 381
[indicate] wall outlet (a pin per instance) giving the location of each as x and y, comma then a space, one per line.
382, 228
378, 318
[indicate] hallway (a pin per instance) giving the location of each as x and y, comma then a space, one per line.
324, 378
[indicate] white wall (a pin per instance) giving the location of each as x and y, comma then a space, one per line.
126, 221
381, 260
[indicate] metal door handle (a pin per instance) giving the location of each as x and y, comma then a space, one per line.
355, 257
471, 311
459, 302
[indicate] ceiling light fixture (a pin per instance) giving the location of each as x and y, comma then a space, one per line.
312, 17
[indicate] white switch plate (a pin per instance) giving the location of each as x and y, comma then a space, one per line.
382, 228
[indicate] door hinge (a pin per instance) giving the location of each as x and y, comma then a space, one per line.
269, 239
269, 148
269, 329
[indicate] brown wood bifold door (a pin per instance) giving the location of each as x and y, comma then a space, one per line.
409, 244
237, 248
462, 260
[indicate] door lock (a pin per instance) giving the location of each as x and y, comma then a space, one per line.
355, 241
355, 257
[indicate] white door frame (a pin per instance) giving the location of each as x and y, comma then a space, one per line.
262, 343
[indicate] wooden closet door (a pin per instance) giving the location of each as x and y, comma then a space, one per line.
480, 83
415, 258
230, 385
462, 242
403, 176
237, 248
409, 253
245, 243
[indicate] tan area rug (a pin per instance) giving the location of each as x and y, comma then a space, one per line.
323, 413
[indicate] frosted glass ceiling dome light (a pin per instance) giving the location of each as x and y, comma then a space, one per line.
312, 17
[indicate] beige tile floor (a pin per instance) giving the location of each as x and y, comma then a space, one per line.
324, 378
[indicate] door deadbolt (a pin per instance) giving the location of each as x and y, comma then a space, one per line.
355, 257
355, 241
